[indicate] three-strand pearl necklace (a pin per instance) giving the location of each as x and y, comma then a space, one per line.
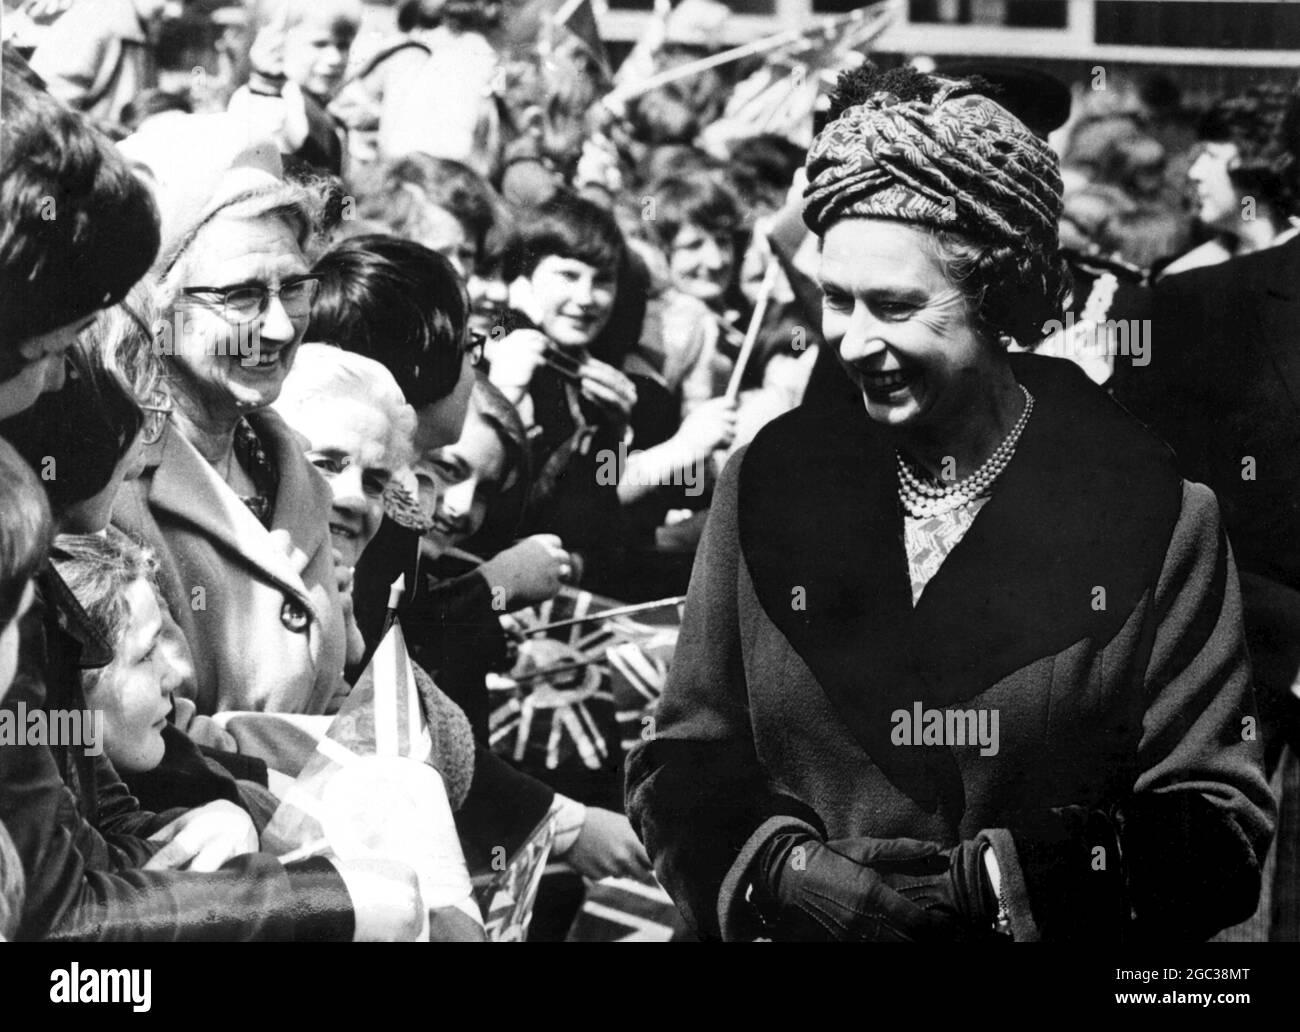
922, 498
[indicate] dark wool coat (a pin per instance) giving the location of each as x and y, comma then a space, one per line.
1120, 709
1223, 388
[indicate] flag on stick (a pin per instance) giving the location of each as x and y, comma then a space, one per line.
370, 791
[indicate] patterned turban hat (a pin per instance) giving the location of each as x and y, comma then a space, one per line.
956, 161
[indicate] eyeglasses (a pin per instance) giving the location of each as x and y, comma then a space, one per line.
246, 301
474, 348
156, 409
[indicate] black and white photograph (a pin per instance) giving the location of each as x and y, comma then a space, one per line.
651, 471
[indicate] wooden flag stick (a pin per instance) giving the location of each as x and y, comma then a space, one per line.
607, 614
755, 323
619, 96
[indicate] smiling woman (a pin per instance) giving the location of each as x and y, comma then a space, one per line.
227, 501
939, 546
359, 433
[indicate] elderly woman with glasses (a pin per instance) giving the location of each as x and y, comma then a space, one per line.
234, 512
963, 656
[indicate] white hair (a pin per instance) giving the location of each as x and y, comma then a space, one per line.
322, 373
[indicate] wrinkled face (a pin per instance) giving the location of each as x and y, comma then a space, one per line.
464, 477
231, 369
574, 300
450, 237
9, 640
349, 442
1218, 201
40, 367
316, 51
900, 328
135, 690
701, 263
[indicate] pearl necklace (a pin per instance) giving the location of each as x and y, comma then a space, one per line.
923, 498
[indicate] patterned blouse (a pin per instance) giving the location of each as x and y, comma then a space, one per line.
929, 539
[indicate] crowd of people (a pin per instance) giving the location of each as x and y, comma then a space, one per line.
433, 314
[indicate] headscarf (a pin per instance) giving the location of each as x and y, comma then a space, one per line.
959, 161
197, 164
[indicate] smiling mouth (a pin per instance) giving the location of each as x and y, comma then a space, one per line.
883, 384
447, 530
338, 530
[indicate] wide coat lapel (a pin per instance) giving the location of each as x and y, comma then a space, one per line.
1089, 502
188, 489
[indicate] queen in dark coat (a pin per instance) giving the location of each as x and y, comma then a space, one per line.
964, 659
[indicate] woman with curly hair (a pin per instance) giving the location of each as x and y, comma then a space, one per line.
1245, 179
964, 659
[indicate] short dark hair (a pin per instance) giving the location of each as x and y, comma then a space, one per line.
1264, 123
84, 429
77, 229
402, 188
763, 167
568, 226
693, 199
26, 529
399, 303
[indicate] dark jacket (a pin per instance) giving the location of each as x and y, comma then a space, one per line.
451, 628
192, 775
81, 836
575, 479
800, 644
1223, 388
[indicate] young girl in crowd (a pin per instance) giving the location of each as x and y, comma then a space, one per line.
688, 340
558, 366
113, 579
478, 487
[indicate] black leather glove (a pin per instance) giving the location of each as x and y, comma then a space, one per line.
952, 885
858, 890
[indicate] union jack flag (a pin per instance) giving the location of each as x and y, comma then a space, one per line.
584, 685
